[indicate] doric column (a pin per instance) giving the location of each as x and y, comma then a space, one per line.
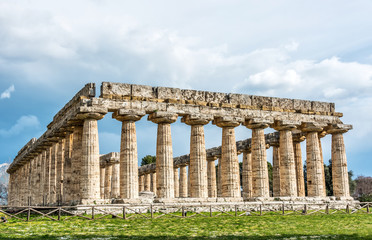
153, 182
128, 153
260, 174
247, 173
89, 175
198, 158
229, 159
147, 182
141, 181
288, 185
164, 154
108, 177
299, 166
102, 174
340, 176
67, 170
276, 169
314, 164
39, 189
183, 193
211, 172
48, 153
59, 170
76, 158
115, 181
176, 182
53, 173
320, 136
219, 181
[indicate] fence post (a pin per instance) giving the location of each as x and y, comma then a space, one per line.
92, 213
283, 208
261, 209
151, 211
124, 213
327, 209
210, 211
347, 209
183, 211
305, 209
28, 214
59, 214
236, 210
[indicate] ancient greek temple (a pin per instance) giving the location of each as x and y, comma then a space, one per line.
64, 165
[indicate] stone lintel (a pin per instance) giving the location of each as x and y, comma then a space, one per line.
197, 119
162, 117
285, 125
75, 122
128, 115
258, 123
338, 128
228, 121
312, 126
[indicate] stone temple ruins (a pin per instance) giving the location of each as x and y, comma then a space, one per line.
64, 165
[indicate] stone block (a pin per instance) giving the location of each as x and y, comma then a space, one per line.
193, 95
284, 103
260, 101
240, 99
115, 90
142, 92
216, 97
320, 106
301, 105
168, 93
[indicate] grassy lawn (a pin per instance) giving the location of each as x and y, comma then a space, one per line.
337, 226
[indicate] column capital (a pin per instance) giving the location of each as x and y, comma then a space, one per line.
227, 121
212, 158
90, 115
298, 137
197, 119
280, 125
128, 115
312, 126
253, 123
162, 117
338, 128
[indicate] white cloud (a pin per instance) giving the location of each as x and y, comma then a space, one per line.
22, 124
7, 92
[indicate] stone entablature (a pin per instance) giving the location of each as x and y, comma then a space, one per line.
67, 154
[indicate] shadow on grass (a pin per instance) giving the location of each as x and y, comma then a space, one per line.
102, 237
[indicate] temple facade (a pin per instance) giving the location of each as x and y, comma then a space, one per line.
64, 166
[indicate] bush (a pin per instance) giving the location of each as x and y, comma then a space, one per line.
365, 198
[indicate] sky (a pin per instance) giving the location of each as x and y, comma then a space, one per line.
313, 50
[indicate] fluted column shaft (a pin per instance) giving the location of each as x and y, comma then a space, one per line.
299, 169
53, 174
153, 182
60, 165
76, 158
315, 186
212, 184
219, 181
89, 180
176, 182
320, 135
183, 182
47, 175
115, 181
102, 175
108, 177
247, 174
67, 170
276, 171
288, 186
340, 175
147, 182
141, 182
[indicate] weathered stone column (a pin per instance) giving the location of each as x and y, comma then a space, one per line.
247, 174
53, 173
198, 158
276, 170
153, 182
147, 182
60, 164
76, 158
320, 136
141, 182
108, 177
299, 166
288, 184
229, 159
115, 182
260, 174
183, 193
38, 189
211, 172
164, 154
176, 182
219, 181
340, 176
129, 187
102, 175
67, 170
46, 191
314, 164
89, 175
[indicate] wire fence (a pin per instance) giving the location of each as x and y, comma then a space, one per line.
154, 211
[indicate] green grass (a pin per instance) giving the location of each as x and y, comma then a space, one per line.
337, 226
